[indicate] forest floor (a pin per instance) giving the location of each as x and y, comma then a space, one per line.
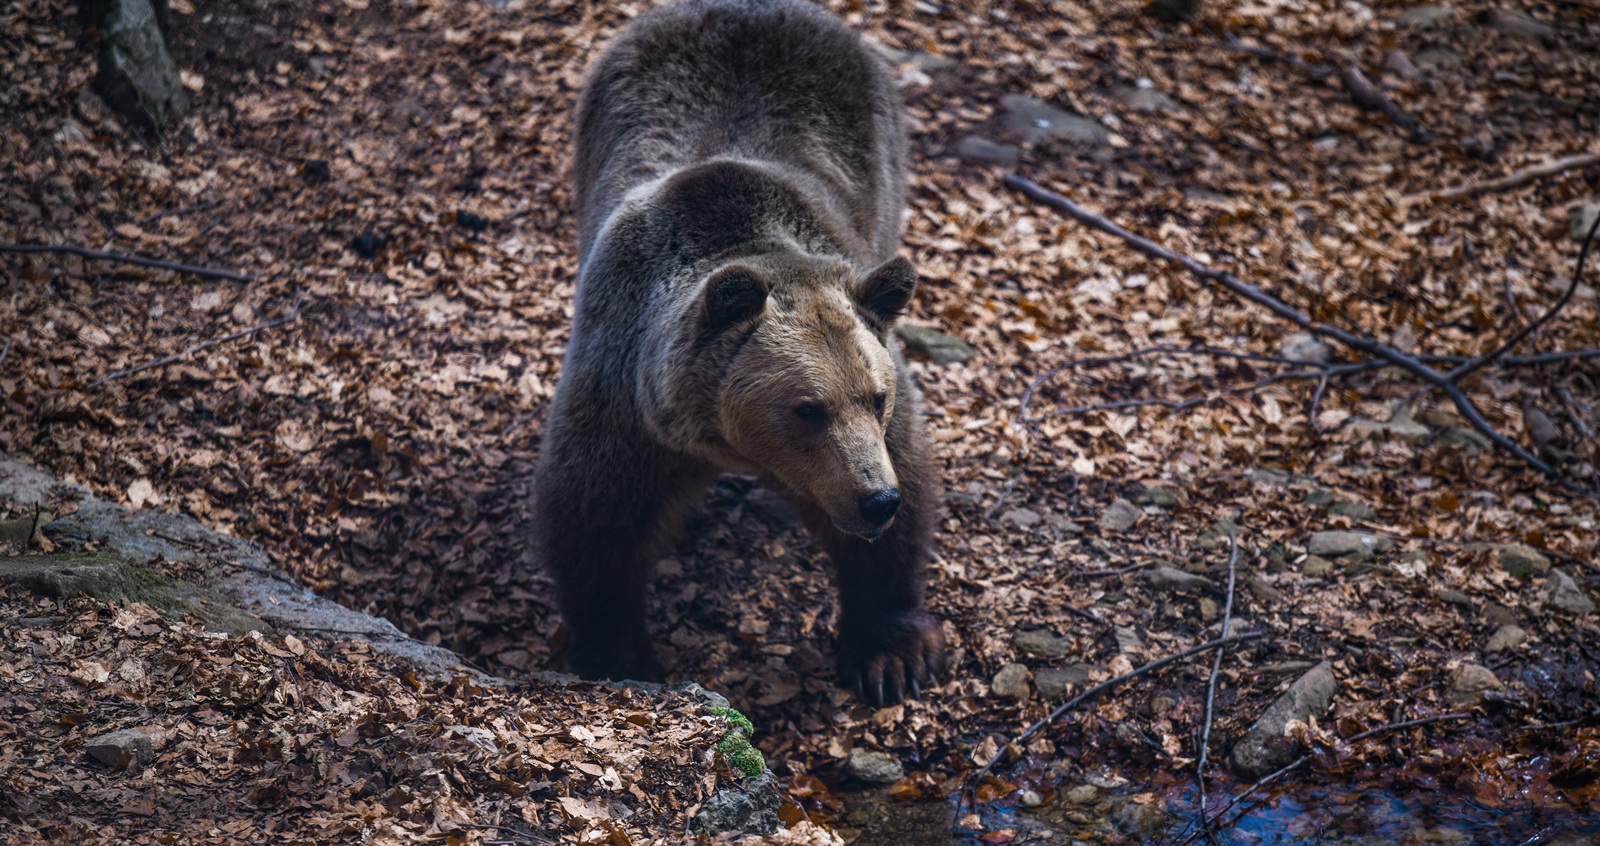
395, 176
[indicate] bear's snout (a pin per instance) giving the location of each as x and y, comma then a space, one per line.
879, 507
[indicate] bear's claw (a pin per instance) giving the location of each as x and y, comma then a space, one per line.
897, 667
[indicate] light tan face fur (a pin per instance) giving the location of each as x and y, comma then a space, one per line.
812, 349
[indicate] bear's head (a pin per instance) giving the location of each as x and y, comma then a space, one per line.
807, 390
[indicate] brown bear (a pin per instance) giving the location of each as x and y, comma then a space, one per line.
740, 176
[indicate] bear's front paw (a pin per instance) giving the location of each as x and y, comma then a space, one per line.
891, 661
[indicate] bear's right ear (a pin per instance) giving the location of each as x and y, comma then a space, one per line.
732, 296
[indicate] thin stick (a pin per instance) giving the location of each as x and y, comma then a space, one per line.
1574, 411
1003, 494
1514, 180
1301, 761
1107, 685
5, 352
1216, 669
294, 314
1278, 307
204, 272
1369, 97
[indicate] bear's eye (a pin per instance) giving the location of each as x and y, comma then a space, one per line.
878, 401
810, 412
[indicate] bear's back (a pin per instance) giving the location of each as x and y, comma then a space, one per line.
781, 82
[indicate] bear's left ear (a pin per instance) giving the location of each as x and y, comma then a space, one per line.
885, 291
733, 295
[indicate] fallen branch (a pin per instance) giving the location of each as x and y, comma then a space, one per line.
141, 261
5, 352
1107, 685
1369, 98
1283, 310
1216, 669
294, 314
1302, 761
1505, 183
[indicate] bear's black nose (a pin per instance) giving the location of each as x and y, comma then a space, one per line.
879, 506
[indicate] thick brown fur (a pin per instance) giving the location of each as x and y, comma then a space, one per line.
740, 175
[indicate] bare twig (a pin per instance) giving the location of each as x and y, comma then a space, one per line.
1505, 183
1283, 310
1107, 685
204, 272
1369, 98
5, 352
1575, 411
1216, 669
1005, 492
294, 314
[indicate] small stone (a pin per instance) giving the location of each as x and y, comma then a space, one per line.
1167, 579
1127, 639
1267, 477
999, 458
1147, 100
1160, 705
1520, 560
1581, 220
1517, 24
1452, 597
1318, 498
1337, 544
1011, 682
874, 767
751, 809
1035, 120
1423, 17
1042, 644
1469, 441
1062, 524
1399, 64
1316, 565
1400, 426
928, 341
1021, 518
120, 749
1353, 510
1465, 685
1306, 347
1120, 516
1217, 535
1565, 595
1210, 611
1083, 794
1506, 637
1030, 799
1498, 615
1052, 682
1156, 497
976, 148
1262, 591
1260, 750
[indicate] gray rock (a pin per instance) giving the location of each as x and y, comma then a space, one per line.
976, 148
1011, 682
1062, 524
1169, 580
1052, 682
1155, 496
137, 75
1260, 751
1259, 589
1267, 477
1466, 684
1520, 560
1217, 535
1338, 544
1120, 516
1498, 615
1318, 498
1399, 64
1581, 219
1316, 565
1022, 518
1042, 644
1438, 59
1453, 597
1564, 594
874, 767
1353, 510
1518, 24
107, 577
1144, 820
752, 809
1306, 347
1147, 100
942, 348
1083, 794
1210, 611
1506, 637
1423, 17
1127, 639
125, 748
1035, 120
1469, 441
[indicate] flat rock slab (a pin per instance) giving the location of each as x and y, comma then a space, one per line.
107, 577
976, 148
1339, 544
928, 341
1042, 644
137, 75
1169, 579
874, 767
1036, 120
1120, 516
752, 809
1263, 749
1565, 595
128, 747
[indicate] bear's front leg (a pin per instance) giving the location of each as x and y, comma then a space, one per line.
606, 505
889, 646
